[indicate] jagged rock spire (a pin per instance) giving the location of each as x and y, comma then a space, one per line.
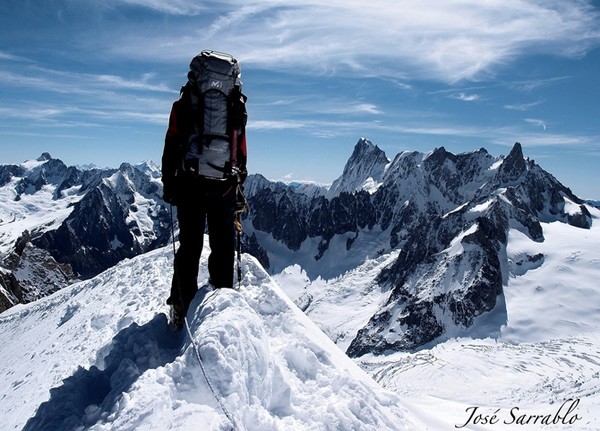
44, 157
514, 164
367, 161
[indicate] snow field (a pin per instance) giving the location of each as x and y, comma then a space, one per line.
559, 294
34, 211
339, 306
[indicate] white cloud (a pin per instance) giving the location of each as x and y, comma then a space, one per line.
343, 107
173, 7
102, 116
118, 82
466, 97
60, 98
62, 81
522, 106
365, 108
10, 57
535, 84
446, 40
275, 124
536, 122
586, 142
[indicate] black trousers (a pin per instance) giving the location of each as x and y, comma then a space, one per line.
201, 202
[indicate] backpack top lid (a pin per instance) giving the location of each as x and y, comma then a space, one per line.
213, 70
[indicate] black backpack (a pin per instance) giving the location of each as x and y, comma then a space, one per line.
219, 113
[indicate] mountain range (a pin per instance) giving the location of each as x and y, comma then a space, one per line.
59, 223
455, 281
446, 215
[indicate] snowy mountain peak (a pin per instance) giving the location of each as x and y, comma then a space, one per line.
438, 155
44, 157
448, 216
514, 165
150, 168
364, 170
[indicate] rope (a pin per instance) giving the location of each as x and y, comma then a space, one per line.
211, 387
194, 345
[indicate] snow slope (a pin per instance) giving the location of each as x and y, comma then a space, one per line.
98, 355
33, 211
546, 353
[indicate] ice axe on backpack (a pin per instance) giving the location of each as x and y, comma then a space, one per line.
241, 204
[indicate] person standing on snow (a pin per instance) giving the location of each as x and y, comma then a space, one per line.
203, 168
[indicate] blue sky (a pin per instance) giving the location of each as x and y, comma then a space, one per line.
93, 81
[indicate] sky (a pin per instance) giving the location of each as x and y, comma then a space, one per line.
93, 81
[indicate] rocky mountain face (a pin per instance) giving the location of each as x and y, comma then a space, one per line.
31, 273
448, 214
60, 222
120, 217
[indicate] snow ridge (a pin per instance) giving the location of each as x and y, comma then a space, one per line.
109, 361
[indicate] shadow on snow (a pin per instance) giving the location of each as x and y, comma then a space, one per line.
90, 395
